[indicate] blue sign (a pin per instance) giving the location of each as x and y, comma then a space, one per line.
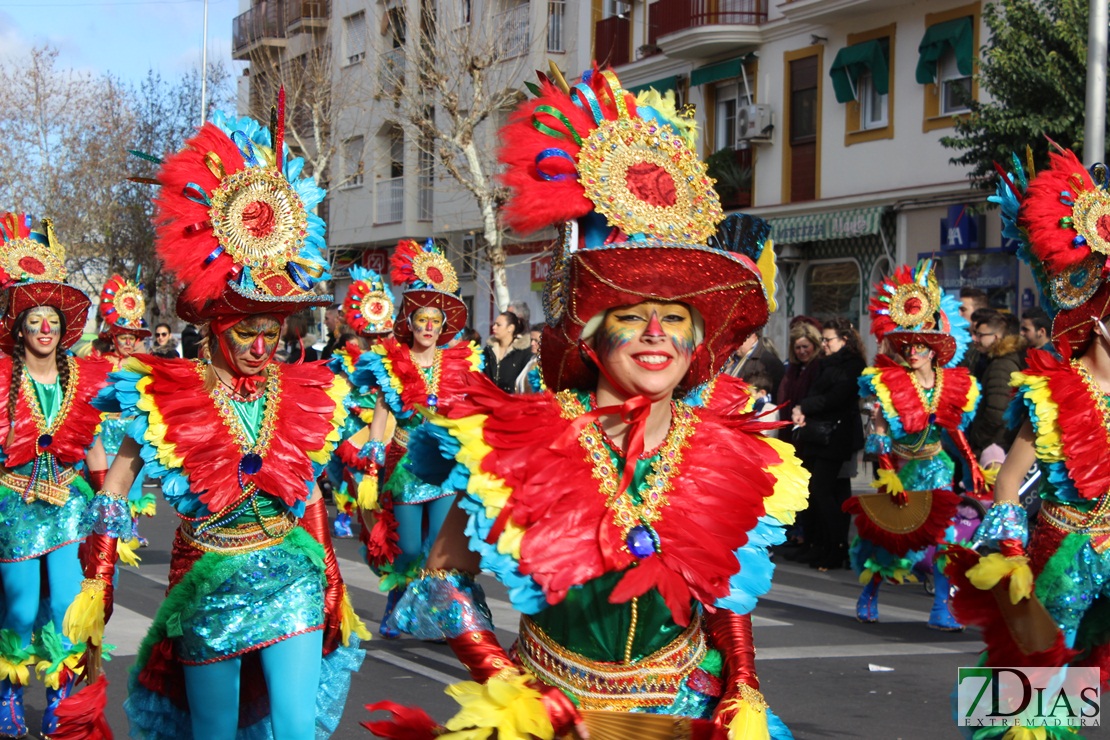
960, 230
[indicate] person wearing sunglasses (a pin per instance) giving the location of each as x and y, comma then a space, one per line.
165, 345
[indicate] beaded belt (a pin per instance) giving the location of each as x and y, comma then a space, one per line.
652, 681
916, 453
401, 438
1071, 520
241, 537
52, 492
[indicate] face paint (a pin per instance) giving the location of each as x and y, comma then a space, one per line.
42, 331
249, 345
125, 344
647, 347
427, 325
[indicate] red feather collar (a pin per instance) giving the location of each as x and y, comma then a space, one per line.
302, 417
570, 533
76, 432
955, 388
455, 365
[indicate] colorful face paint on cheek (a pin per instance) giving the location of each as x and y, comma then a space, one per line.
613, 336
682, 336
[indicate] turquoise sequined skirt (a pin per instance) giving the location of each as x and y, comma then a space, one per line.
31, 530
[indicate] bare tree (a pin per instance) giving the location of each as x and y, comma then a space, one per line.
452, 82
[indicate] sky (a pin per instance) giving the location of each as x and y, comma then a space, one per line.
125, 37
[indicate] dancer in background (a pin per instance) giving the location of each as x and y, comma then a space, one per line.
47, 424
414, 372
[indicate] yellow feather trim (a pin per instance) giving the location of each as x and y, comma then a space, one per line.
156, 428
17, 673
475, 358
888, 480
337, 391
127, 551
972, 396
53, 678
84, 619
750, 720
882, 392
490, 489
992, 568
667, 106
768, 271
791, 491
1049, 439
350, 622
341, 497
1025, 733
507, 705
368, 491
394, 381
510, 540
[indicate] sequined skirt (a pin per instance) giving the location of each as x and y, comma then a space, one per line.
32, 529
113, 429
404, 485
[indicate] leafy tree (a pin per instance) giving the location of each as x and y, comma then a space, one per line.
1034, 69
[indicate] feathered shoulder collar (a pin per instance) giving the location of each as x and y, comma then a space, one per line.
75, 426
1070, 422
194, 434
542, 490
903, 406
389, 365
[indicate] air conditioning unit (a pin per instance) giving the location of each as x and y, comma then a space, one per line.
754, 123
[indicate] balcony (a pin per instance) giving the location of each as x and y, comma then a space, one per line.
262, 25
515, 31
612, 39
391, 72
556, 26
302, 15
698, 29
825, 11
389, 201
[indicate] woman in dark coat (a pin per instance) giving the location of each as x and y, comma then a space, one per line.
503, 361
835, 434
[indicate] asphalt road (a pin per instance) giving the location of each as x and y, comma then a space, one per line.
825, 674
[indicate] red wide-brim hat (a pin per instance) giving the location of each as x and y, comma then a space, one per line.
724, 287
1074, 328
235, 301
62, 297
941, 343
453, 308
115, 330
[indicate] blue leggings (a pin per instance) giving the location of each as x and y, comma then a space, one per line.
22, 582
410, 526
292, 671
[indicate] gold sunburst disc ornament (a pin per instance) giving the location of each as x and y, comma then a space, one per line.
258, 218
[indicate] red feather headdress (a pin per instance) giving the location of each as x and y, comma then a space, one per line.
122, 306
429, 281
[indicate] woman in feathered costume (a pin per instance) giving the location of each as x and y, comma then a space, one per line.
369, 311
919, 399
414, 370
122, 307
635, 578
250, 641
1042, 599
46, 426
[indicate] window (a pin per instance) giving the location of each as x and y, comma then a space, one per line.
726, 117
618, 8
872, 104
352, 162
955, 87
946, 65
469, 258
861, 75
354, 37
804, 101
463, 18
833, 290
396, 152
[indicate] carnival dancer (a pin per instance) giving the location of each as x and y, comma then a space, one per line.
413, 370
46, 427
635, 580
1041, 599
122, 307
237, 441
368, 310
919, 398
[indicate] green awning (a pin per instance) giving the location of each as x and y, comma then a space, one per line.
957, 34
717, 72
661, 86
817, 227
854, 60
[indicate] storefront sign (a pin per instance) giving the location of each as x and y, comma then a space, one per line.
816, 227
960, 230
376, 260
540, 267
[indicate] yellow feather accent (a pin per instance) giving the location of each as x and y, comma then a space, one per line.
368, 491
750, 720
667, 106
84, 619
972, 397
506, 705
1025, 733
337, 391
156, 427
768, 270
475, 358
394, 381
349, 621
990, 475
341, 497
16, 672
1049, 441
53, 678
992, 568
490, 489
888, 480
510, 540
881, 391
791, 491
127, 551
866, 576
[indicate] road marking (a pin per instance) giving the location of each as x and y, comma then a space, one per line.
126, 630
412, 667
872, 649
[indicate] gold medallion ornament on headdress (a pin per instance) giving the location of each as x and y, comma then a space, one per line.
369, 306
909, 307
123, 307
235, 223
429, 281
32, 274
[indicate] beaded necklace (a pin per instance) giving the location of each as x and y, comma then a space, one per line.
634, 519
44, 459
930, 404
1102, 508
431, 376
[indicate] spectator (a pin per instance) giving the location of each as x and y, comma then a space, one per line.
190, 342
164, 343
503, 359
520, 310
338, 332
526, 382
761, 385
831, 433
298, 340
976, 357
972, 300
1005, 352
753, 358
1035, 329
800, 370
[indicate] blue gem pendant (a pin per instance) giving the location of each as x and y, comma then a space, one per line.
250, 463
642, 541
433, 401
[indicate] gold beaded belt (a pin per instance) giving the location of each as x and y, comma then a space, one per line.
652, 681
240, 537
916, 453
401, 438
52, 492
1071, 520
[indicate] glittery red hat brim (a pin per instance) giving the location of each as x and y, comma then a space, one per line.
1074, 328
943, 344
724, 287
115, 330
71, 302
453, 308
236, 302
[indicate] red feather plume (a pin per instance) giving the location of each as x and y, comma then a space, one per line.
81, 714
929, 532
1043, 207
405, 723
881, 323
400, 263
